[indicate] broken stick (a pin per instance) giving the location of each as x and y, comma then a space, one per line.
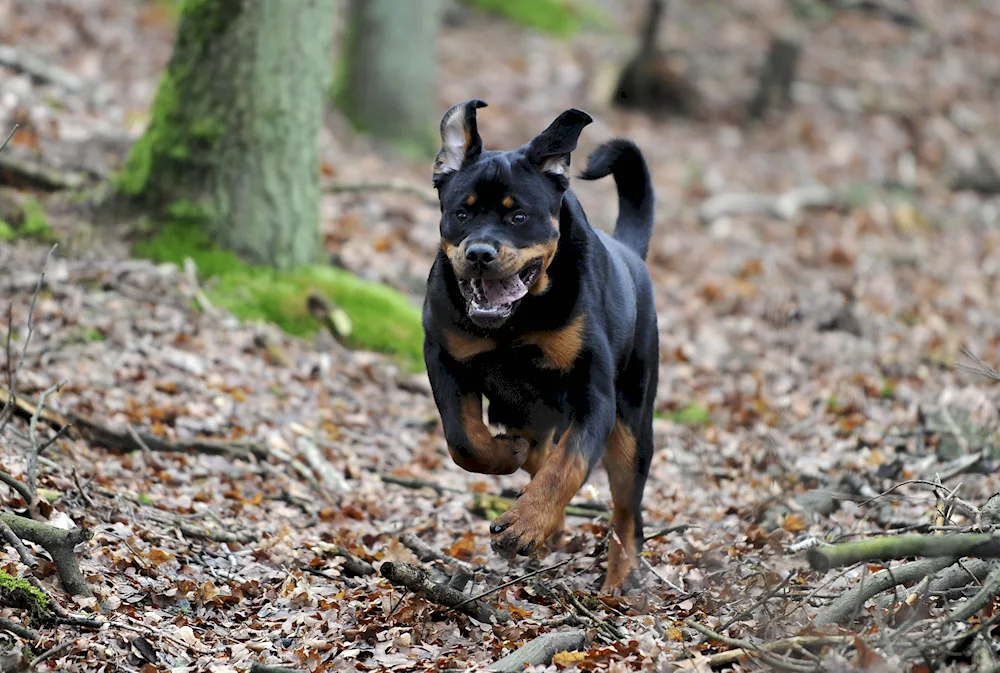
539, 652
978, 545
418, 581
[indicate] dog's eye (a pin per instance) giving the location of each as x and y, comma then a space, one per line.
462, 215
519, 218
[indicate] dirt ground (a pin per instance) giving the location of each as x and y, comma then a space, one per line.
807, 363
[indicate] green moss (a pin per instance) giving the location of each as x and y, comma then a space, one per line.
888, 391
36, 224
383, 319
692, 414
132, 180
7, 232
19, 593
557, 17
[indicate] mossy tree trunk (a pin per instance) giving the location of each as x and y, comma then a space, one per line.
233, 137
388, 81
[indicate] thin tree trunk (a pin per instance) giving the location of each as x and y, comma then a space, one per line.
389, 86
233, 138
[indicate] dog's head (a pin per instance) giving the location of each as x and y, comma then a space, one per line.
500, 210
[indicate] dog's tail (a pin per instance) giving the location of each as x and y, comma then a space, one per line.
622, 159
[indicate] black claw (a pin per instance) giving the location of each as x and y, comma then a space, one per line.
497, 528
527, 549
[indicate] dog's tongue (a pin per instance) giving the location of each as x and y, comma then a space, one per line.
504, 291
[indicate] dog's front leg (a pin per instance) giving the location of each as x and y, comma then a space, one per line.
539, 512
471, 444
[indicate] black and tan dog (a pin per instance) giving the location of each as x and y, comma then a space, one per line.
549, 319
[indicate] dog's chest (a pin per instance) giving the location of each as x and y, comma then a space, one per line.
521, 393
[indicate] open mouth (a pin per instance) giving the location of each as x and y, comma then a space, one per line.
491, 302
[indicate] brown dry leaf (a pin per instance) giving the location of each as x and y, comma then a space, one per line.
567, 658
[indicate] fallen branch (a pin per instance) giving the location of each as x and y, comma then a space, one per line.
40, 70
427, 554
514, 581
983, 597
39, 175
353, 565
224, 536
268, 668
777, 646
540, 651
843, 607
14, 541
785, 206
748, 649
18, 630
417, 484
122, 440
59, 544
904, 546
417, 580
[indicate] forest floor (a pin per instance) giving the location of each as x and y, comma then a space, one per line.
807, 365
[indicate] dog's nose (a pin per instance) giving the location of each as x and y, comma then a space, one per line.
480, 255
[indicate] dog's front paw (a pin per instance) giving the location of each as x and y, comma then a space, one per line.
522, 529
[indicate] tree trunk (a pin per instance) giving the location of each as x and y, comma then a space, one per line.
232, 141
389, 82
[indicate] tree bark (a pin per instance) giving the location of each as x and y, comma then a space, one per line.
389, 78
232, 142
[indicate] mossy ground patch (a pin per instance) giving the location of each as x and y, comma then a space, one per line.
383, 319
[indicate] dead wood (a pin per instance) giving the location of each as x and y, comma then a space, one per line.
39, 69
417, 580
353, 565
982, 598
765, 653
540, 651
840, 610
427, 554
198, 533
777, 646
268, 668
904, 546
28, 172
416, 484
18, 630
122, 440
14, 541
59, 544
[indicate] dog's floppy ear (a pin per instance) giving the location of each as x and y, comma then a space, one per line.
460, 141
550, 150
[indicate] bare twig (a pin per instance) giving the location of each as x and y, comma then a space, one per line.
517, 580
12, 371
844, 606
52, 652
427, 554
978, 366
19, 486
31, 474
990, 588
417, 484
417, 580
14, 541
732, 656
9, 137
749, 649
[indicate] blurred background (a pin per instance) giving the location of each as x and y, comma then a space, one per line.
827, 242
